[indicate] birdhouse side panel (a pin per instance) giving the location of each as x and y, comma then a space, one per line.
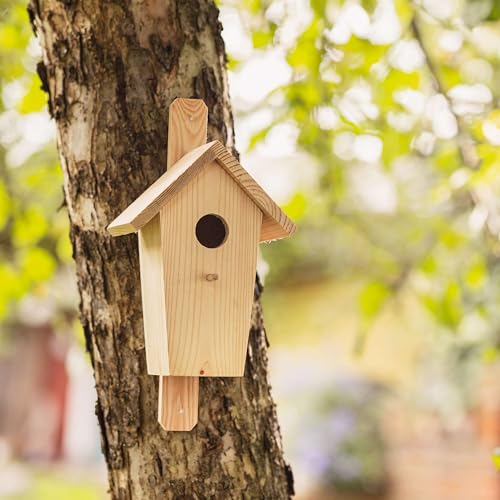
153, 302
210, 233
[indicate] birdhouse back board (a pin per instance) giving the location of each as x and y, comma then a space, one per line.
209, 238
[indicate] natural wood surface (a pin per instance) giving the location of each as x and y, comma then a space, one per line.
153, 298
187, 128
208, 320
148, 204
178, 396
275, 223
178, 403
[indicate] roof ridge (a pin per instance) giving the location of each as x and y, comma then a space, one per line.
275, 223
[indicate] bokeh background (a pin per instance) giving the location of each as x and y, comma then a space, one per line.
376, 125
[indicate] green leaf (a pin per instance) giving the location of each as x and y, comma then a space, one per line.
37, 265
398, 80
405, 11
306, 56
29, 227
232, 62
261, 39
447, 307
369, 5
494, 14
452, 311
4, 206
64, 249
372, 297
11, 37
297, 206
476, 273
396, 144
254, 6
452, 239
318, 6
490, 354
11, 288
496, 458
305, 93
360, 55
35, 98
450, 76
428, 265
447, 159
258, 137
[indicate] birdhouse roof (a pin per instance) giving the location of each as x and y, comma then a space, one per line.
275, 224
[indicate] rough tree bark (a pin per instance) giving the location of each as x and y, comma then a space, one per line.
112, 68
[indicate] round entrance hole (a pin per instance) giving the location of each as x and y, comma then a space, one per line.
211, 231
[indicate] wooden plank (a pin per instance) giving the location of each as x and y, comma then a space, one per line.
209, 319
187, 129
275, 224
153, 303
178, 403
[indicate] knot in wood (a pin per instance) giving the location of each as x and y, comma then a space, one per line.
212, 277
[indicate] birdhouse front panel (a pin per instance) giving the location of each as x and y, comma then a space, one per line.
210, 231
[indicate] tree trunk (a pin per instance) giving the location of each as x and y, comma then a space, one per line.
111, 69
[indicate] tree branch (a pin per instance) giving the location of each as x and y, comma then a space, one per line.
464, 141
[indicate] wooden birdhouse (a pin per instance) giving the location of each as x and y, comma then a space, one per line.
199, 227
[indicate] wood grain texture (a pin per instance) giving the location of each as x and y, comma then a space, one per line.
209, 320
187, 126
275, 223
148, 204
178, 403
153, 302
178, 396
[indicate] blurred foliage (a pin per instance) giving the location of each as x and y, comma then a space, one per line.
59, 485
34, 240
397, 102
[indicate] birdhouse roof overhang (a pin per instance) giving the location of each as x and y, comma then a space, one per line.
275, 223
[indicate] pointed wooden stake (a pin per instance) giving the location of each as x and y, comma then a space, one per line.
178, 396
178, 403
